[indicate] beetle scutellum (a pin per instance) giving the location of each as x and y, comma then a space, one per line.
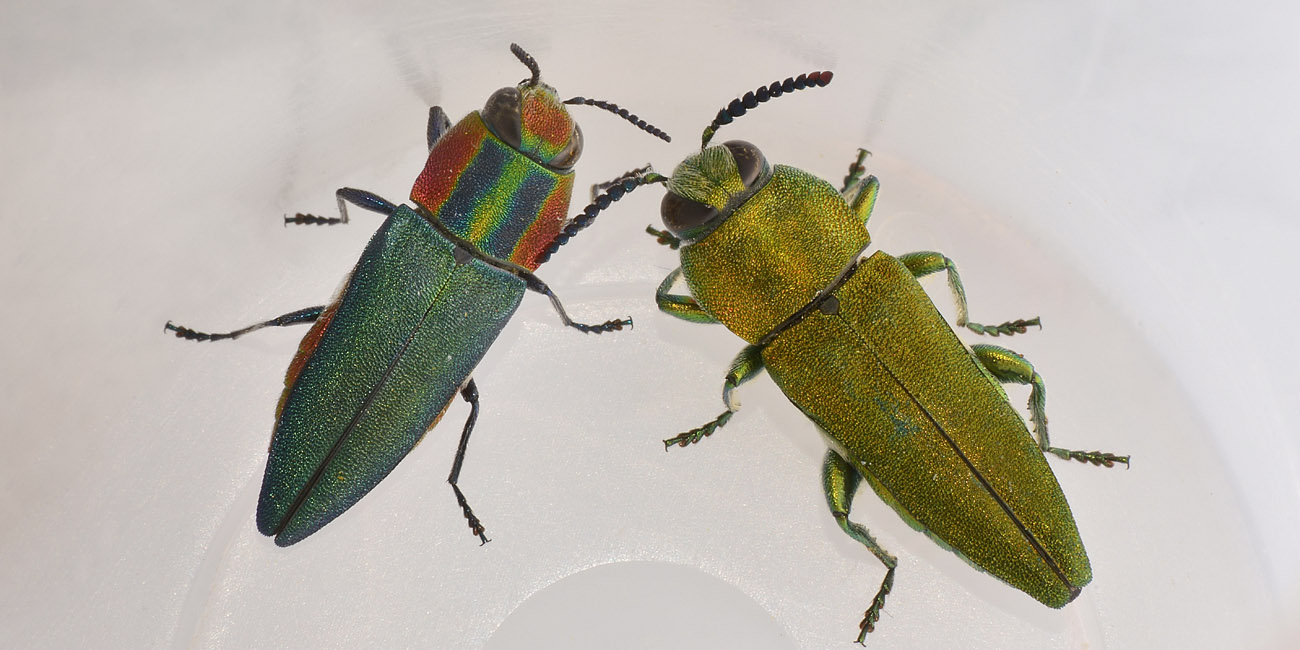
432, 290
779, 257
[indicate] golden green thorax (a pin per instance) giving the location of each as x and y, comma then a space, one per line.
774, 252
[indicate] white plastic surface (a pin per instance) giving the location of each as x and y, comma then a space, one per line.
1126, 173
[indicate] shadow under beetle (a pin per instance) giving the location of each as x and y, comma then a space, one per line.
433, 289
780, 257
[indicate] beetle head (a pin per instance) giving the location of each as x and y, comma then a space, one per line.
708, 186
531, 118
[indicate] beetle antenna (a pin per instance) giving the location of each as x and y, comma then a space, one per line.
740, 105
528, 60
622, 112
614, 193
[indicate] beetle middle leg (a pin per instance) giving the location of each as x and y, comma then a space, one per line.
840, 481
744, 367
470, 394
1011, 367
308, 315
345, 195
924, 263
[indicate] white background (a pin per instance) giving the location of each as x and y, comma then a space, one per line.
1123, 170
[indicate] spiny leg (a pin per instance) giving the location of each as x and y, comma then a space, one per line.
924, 263
679, 305
744, 367
1011, 367
470, 394
840, 481
345, 195
307, 315
439, 124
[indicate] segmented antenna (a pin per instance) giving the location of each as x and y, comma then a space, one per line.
622, 112
740, 105
528, 60
589, 213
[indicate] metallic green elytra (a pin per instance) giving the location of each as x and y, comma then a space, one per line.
779, 257
433, 289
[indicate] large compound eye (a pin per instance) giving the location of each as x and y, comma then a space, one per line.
502, 115
681, 214
749, 160
568, 156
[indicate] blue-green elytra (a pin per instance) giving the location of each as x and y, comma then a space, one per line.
431, 292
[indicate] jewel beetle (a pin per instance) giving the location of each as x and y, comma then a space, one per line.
782, 259
432, 290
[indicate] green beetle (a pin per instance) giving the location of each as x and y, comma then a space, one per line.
779, 257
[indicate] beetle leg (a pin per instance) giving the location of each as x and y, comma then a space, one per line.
857, 169
470, 394
681, 306
924, 263
840, 481
634, 174
438, 125
1010, 367
345, 195
744, 367
307, 315
535, 284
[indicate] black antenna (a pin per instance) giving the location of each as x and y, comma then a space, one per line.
622, 112
614, 193
528, 60
740, 105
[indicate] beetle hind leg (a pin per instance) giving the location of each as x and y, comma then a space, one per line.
1010, 367
924, 263
470, 394
307, 315
840, 481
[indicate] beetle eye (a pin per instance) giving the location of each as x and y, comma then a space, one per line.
749, 160
502, 115
568, 156
681, 214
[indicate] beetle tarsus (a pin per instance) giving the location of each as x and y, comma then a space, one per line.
664, 237
1096, 458
304, 219
698, 433
1009, 328
475, 526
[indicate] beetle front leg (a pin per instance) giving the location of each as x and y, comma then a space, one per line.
744, 367
307, 315
345, 195
1010, 367
924, 263
598, 188
860, 193
679, 305
840, 480
439, 124
470, 394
